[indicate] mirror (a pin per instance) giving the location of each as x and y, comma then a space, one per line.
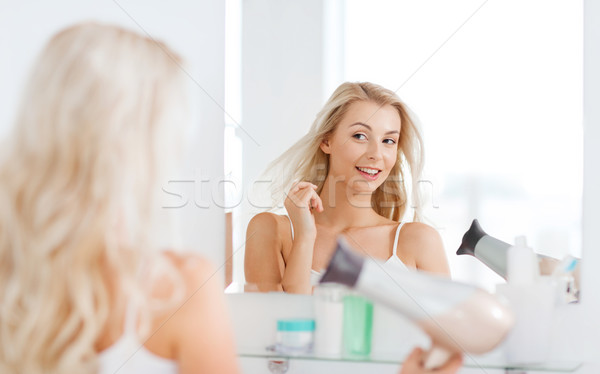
497, 88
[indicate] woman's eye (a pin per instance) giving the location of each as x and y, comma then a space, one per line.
389, 141
359, 136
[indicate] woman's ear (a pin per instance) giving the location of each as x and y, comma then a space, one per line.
325, 146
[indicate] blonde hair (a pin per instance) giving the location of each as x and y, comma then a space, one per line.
78, 187
306, 161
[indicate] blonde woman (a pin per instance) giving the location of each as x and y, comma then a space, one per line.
83, 288
347, 176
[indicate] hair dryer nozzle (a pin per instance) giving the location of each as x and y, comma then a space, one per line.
470, 239
489, 250
345, 265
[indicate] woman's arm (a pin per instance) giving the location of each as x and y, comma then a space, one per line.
302, 200
264, 264
296, 277
263, 261
425, 246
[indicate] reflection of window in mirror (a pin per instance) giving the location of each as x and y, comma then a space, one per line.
233, 195
232, 143
500, 106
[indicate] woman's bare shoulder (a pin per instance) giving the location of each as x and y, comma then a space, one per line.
425, 245
267, 222
417, 239
200, 285
178, 277
196, 330
418, 231
267, 218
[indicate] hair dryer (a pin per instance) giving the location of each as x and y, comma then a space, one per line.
458, 317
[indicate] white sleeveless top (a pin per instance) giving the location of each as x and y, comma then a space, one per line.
128, 354
393, 262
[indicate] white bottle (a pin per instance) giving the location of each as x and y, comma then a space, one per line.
532, 299
521, 264
329, 315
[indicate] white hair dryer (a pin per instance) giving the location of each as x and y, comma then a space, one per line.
487, 249
458, 317
494, 254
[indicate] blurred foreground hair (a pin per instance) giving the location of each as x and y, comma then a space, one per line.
78, 186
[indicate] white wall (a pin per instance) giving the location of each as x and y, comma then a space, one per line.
195, 30
577, 328
589, 326
278, 107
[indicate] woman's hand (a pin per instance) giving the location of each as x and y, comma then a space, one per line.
414, 364
300, 203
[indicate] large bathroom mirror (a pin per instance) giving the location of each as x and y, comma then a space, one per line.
497, 88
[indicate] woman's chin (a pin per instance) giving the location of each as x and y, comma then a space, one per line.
363, 189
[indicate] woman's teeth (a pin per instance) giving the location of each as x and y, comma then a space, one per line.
369, 171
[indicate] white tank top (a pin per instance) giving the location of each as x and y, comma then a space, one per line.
128, 354
393, 262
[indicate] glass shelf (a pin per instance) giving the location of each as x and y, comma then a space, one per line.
470, 361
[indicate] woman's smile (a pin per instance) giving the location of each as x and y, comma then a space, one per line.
369, 173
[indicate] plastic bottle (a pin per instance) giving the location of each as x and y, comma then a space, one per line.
329, 315
522, 265
358, 325
532, 299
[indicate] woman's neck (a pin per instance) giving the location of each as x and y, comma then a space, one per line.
345, 208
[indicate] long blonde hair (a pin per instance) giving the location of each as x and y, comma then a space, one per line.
306, 161
78, 186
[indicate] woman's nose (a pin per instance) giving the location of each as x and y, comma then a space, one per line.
374, 151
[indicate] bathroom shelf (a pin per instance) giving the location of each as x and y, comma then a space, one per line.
483, 362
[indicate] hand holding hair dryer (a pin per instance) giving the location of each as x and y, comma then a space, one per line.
458, 317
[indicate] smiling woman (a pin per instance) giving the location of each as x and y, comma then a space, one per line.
346, 176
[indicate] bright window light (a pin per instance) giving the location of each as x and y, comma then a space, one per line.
497, 87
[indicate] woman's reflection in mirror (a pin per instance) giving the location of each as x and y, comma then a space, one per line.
350, 175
